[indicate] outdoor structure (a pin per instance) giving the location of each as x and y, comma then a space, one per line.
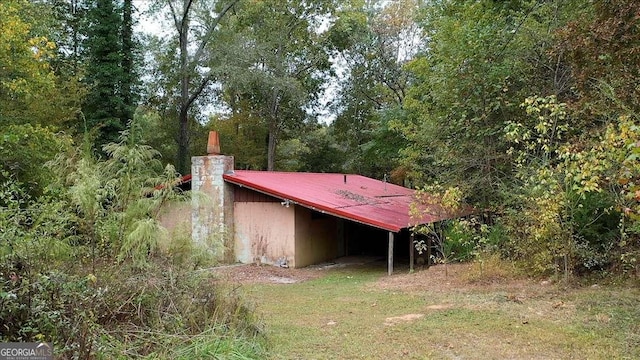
298, 219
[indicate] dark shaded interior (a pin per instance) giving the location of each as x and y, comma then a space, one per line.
364, 240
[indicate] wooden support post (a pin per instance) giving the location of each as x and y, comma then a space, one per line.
428, 250
411, 250
390, 259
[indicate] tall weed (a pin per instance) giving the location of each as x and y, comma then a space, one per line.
88, 266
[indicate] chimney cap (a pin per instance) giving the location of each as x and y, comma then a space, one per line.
213, 143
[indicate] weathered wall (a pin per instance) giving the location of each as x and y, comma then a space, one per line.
264, 233
176, 216
316, 237
212, 203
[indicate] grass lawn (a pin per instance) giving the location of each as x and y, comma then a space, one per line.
360, 313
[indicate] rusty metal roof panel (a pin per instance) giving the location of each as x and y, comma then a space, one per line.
353, 197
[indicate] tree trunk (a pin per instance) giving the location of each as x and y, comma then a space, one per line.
188, 66
127, 87
182, 162
271, 149
274, 125
75, 36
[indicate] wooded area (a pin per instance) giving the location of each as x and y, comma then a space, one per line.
525, 109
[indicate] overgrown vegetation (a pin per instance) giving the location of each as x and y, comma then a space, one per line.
526, 110
511, 106
88, 267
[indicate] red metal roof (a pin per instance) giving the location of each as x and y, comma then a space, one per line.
361, 199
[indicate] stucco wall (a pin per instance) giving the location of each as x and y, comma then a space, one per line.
176, 216
264, 232
316, 237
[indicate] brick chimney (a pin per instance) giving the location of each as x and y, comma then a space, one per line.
212, 201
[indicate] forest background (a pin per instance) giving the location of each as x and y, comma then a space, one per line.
526, 109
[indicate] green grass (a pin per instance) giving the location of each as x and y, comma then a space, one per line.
343, 315
214, 344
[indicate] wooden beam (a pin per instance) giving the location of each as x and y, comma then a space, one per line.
390, 259
428, 250
411, 250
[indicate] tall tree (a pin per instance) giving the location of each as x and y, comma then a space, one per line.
26, 76
285, 68
30, 90
190, 59
34, 104
323, 154
372, 42
243, 135
104, 105
129, 84
480, 63
69, 26
603, 50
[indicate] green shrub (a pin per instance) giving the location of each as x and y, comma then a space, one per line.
459, 241
24, 149
164, 311
167, 308
596, 231
469, 238
87, 266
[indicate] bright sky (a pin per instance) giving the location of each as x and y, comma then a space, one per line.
146, 23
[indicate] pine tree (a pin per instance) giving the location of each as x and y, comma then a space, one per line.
110, 70
129, 83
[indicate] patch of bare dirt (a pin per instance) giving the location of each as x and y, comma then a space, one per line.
265, 274
524, 300
449, 278
394, 320
528, 298
439, 307
438, 279
269, 274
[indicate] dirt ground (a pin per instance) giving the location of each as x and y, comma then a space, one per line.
268, 274
452, 277
438, 278
265, 274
